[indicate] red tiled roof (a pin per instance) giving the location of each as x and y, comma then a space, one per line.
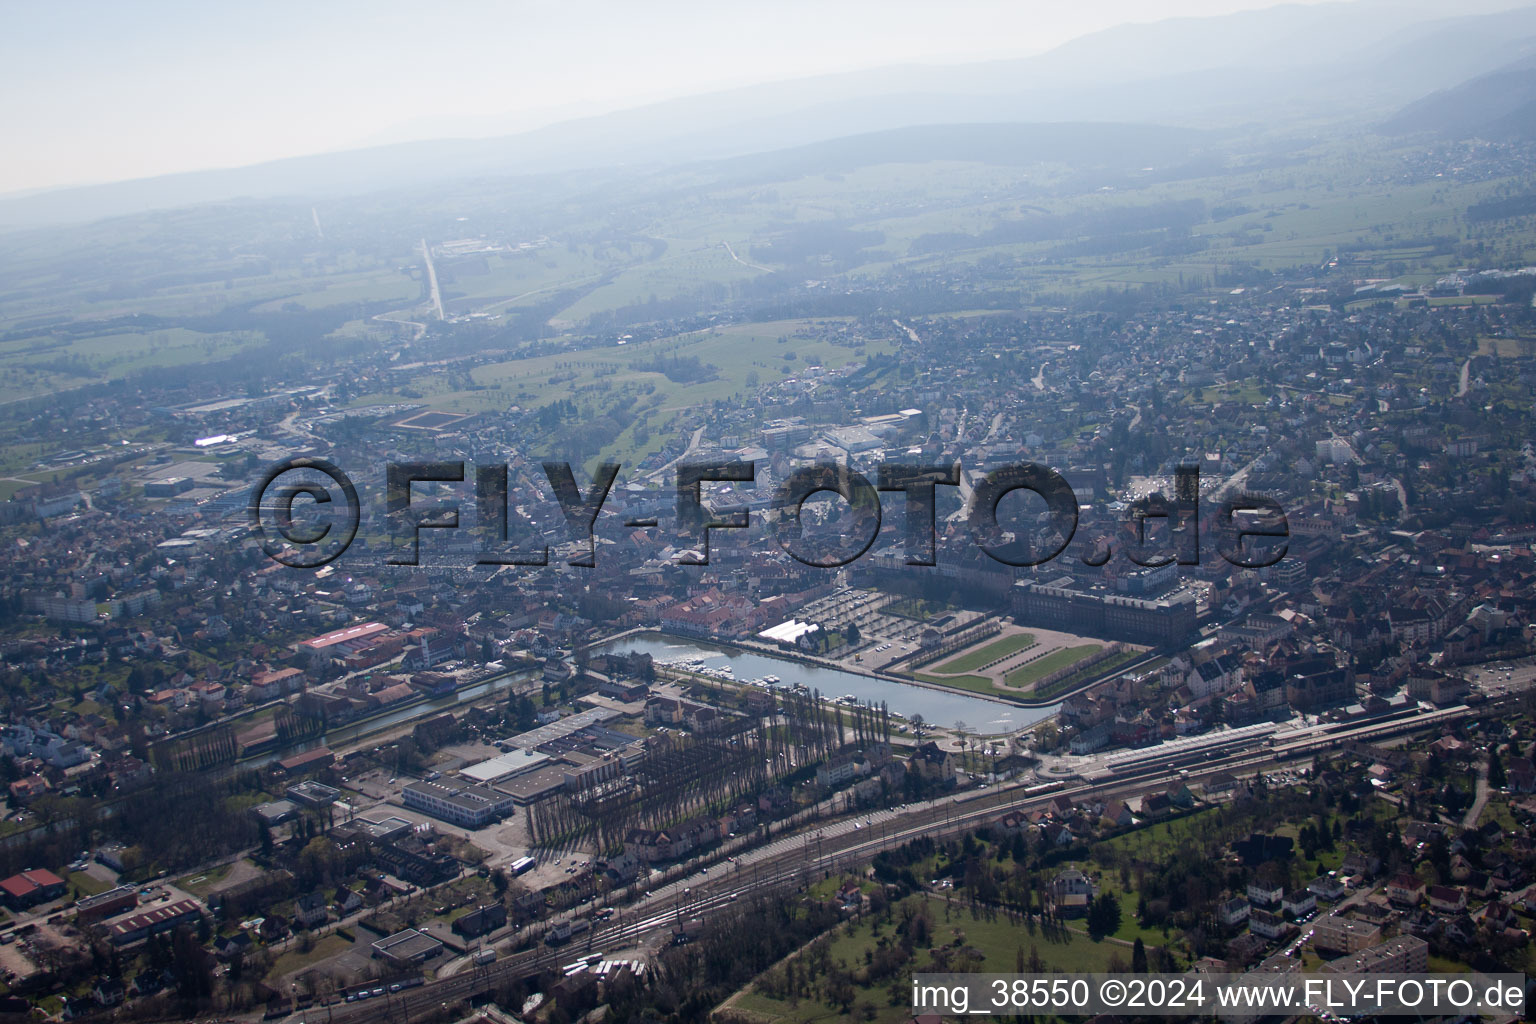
156, 916
340, 636
17, 886
28, 882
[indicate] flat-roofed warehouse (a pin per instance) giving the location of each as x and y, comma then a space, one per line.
168, 487
558, 730
596, 740
383, 830
407, 947
531, 787
105, 904
195, 470
312, 794
454, 800
275, 812
504, 766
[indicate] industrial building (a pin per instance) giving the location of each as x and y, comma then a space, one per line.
153, 922
407, 947
459, 802
30, 888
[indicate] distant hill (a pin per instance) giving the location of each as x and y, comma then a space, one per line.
1267, 67
1074, 143
1499, 106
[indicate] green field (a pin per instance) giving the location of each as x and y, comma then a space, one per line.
976, 684
631, 240
736, 360
382, 285
1053, 662
621, 383
204, 882
736, 352
42, 363
294, 959
1096, 671
496, 282
86, 884
974, 659
1024, 676
680, 273
961, 940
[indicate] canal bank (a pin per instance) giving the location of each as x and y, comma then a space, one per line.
938, 705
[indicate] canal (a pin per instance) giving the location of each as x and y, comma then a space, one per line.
938, 707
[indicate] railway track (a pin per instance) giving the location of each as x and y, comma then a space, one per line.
787, 864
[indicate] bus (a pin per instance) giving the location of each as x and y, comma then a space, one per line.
522, 864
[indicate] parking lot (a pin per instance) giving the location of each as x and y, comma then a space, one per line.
1504, 677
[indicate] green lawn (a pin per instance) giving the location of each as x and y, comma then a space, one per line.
674, 274
87, 885
323, 949
1021, 678
735, 359
1095, 671
9, 488
1153, 843
977, 684
202, 882
385, 284
1130, 929
974, 659
1053, 662
999, 941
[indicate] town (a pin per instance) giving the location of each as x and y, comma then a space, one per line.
801, 484
724, 591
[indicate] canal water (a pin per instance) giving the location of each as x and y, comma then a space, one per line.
937, 707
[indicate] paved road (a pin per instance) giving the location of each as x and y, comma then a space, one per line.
910, 332
1235, 481
420, 328
997, 424
1478, 802
738, 259
437, 295
693, 446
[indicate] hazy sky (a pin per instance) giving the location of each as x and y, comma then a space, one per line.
109, 91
